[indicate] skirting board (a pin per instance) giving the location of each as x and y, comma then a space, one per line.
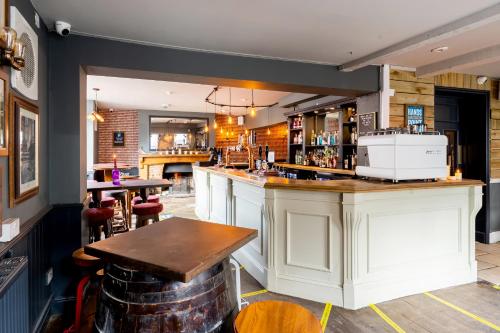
494, 237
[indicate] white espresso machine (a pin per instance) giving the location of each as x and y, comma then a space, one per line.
393, 155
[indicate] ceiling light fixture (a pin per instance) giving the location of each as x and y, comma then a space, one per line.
95, 116
252, 108
246, 106
439, 49
229, 118
215, 113
168, 92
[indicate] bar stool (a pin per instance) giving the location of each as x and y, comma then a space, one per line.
147, 211
97, 218
108, 202
276, 317
154, 198
94, 271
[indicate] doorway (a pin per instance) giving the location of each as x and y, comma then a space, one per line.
463, 116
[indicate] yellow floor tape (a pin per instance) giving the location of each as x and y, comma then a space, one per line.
325, 316
386, 319
465, 312
254, 293
497, 287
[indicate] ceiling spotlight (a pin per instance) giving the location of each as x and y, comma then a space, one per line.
168, 92
439, 49
165, 106
481, 80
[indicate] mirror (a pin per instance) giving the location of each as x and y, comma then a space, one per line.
166, 133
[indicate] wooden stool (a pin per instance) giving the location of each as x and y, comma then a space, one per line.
276, 317
147, 211
92, 265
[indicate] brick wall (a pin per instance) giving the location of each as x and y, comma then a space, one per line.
277, 140
118, 120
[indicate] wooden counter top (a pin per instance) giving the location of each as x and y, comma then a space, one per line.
315, 169
175, 248
342, 186
163, 158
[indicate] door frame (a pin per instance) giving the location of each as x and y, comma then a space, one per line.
480, 236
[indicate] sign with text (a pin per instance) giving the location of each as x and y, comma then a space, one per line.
118, 139
414, 115
367, 122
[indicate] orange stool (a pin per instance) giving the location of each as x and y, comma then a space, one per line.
276, 317
98, 218
147, 211
94, 265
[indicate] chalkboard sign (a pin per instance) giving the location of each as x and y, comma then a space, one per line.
118, 139
414, 115
367, 122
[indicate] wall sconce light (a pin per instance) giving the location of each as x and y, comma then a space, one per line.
11, 49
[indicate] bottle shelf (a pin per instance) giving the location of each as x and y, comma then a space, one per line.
296, 129
350, 123
316, 146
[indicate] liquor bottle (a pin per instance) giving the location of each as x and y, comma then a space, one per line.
329, 139
267, 152
295, 139
320, 139
313, 138
299, 139
115, 174
260, 152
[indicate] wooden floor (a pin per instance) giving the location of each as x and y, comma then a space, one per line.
417, 313
473, 307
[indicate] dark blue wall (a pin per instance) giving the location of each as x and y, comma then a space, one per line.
70, 58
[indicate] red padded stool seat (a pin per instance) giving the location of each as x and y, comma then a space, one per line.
107, 202
149, 208
136, 200
147, 211
154, 198
97, 218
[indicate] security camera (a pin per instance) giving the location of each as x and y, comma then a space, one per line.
481, 80
63, 28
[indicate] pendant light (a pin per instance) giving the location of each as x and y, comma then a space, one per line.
252, 108
229, 118
268, 129
215, 110
95, 116
206, 123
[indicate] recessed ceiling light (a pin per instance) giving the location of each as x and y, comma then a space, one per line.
243, 99
165, 105
168, 92
440, 49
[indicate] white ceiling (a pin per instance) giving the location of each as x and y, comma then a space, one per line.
138, 94
316, 30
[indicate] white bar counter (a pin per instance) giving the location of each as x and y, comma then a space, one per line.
347, 242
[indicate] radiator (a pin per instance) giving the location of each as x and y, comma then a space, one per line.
14, 309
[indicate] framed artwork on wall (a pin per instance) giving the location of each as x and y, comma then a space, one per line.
4, 13
118, 139
4, 112
24, 151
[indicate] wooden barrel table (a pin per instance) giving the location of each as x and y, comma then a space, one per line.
134, 301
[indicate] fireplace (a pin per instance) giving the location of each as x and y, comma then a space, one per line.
181, 176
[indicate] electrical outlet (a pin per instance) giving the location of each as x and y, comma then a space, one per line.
49, 274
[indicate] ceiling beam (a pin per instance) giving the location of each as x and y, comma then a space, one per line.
457, 27
476, 58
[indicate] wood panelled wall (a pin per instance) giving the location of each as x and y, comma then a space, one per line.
277, 140
412, 90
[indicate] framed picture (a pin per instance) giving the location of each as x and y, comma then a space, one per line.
118, 139
367, 122
4, 112
4, 13
24, 151
414, 115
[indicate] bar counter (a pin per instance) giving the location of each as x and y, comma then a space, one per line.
347, 242
147, 160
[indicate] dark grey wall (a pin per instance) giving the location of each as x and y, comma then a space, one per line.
107, 57
144, 124
29, 208
495, 207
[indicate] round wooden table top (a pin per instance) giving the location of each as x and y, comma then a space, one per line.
276, 317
